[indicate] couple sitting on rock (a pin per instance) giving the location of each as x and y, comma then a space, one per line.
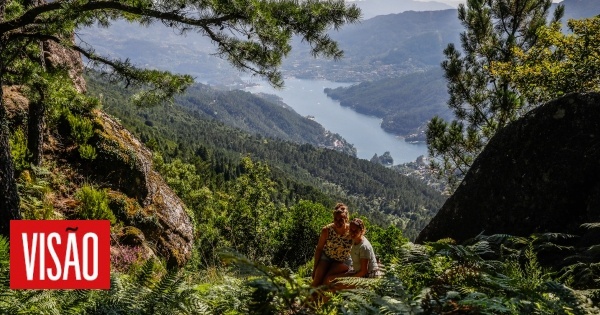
343, 250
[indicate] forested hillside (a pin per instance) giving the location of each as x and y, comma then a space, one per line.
373, 190
264, 115
405, 103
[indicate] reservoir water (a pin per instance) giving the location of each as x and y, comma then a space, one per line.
306, 97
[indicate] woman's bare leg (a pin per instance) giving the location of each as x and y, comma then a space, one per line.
337, 269
321, 271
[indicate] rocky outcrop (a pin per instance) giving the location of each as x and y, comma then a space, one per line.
57, 56
151, 212
125, 165
539, 174
15, 103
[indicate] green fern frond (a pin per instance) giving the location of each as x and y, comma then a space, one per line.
358, 282
593, 250
481, 248
552, 246
471, 253
414, 253
165, 296
516, 241
494, 238
145, 276
196, 305
548, 237
243, 265
357, 301
392, 306
486, 304
590, 226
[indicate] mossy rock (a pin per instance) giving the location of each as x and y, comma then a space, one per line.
125, 208
122, 164
139, 196
132, 236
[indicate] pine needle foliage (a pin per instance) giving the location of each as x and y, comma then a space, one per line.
18, 150
482, 101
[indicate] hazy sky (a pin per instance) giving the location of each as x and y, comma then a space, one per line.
455, 3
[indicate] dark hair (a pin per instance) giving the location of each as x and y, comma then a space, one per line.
358, 222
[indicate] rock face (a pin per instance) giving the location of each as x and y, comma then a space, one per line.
125, 164
539, 174
57, 56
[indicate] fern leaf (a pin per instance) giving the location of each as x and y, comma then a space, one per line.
552, 236
590, 226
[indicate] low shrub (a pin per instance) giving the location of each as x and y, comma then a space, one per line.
82, 128
94, 204
87, 152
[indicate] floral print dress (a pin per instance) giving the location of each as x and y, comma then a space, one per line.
337, 246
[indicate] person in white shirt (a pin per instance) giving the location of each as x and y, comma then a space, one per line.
364, 262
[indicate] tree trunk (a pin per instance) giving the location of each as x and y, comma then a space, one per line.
9, 197
35, 131
37, 112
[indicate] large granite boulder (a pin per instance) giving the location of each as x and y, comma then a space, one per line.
539, 174
141, 196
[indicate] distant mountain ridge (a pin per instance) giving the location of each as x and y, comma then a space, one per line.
393, 45
383, 46
578, 9
372, 8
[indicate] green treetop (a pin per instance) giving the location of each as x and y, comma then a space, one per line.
483, 101
559, 64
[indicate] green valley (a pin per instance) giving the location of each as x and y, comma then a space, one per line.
182, 132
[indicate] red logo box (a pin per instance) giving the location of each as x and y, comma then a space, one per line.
60, 254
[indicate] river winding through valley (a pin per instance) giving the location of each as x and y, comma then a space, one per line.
307, 98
